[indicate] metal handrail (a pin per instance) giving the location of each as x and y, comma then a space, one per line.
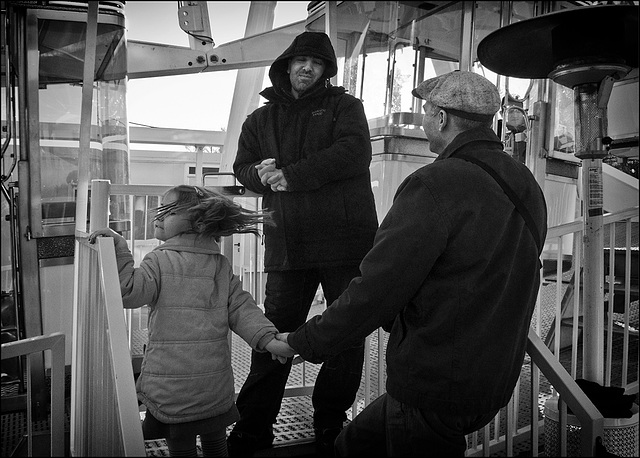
55, 343
543, 361
105, 419
575, 226
591, 419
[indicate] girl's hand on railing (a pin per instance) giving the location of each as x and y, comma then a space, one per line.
108, 232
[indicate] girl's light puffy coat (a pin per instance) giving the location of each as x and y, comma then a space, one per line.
194, 299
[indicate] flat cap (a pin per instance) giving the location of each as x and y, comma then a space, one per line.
464, 94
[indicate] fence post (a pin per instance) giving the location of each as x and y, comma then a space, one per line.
100, 190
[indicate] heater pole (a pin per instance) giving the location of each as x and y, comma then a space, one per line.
593, 295
586, 49
590, 127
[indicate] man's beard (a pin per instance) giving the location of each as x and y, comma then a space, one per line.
301, 85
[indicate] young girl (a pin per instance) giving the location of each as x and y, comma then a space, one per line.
186, 380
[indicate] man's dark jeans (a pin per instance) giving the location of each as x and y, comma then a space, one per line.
289, 296
387, 427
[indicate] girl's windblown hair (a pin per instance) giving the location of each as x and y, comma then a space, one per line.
212, 214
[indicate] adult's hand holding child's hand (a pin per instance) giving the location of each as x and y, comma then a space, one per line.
279, 350
282, 336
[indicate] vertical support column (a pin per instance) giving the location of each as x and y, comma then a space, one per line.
331, 28
590, 127
29, 206
245, 97
248, 84
536, 147
100, 190
593, 367
418, 75
199, 161
466, 41
82, 196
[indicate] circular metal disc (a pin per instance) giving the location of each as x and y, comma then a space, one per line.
535, 47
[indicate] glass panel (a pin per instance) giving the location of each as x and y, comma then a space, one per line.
370, 32
385, 48
563, 125
487, 20
363, 45
143, 226
401, 98
521, 11
427, 43
436, 27
61, 46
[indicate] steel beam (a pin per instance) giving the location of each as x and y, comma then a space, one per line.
147, 60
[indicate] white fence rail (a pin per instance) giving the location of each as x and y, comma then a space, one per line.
55, 343
543, 374
618, 278
105, 419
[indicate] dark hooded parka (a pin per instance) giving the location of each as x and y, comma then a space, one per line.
321, 142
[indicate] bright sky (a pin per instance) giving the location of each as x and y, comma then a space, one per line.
199, 101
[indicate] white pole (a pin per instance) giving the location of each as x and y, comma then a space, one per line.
248, 84
593, 280
331, 29
590, 127
99, 218
84, 152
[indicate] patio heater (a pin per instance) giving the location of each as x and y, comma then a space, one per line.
585, 49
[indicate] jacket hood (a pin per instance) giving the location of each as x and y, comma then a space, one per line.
315, 44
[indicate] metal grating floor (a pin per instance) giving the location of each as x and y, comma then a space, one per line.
294, 425
294, 428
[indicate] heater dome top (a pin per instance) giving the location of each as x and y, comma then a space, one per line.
585, 37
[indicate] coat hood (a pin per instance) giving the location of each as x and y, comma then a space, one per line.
315, 44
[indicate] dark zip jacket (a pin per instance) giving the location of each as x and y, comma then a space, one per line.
456, 271
321, 142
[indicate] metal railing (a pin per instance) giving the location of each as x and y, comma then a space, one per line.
105, 419
558, 307
568, 303
543, 375
55, 343
590, 417
541, 360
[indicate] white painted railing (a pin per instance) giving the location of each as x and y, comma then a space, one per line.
558, 299
105, 419
543, 375
55, 343
568, 304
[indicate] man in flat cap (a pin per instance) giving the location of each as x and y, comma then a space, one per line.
453, 276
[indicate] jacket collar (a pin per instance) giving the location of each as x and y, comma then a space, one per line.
282, 94
191, 242
477, 135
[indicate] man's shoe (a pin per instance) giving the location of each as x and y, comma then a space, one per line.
246, 445
325, 441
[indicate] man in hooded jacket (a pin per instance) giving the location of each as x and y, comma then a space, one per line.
307, 151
